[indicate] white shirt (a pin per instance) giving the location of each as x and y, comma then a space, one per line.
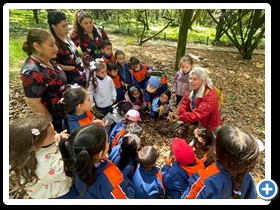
104, 93
52, 182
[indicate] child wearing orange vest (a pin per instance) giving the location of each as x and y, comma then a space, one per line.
107, 51
139, 71
129, 124
78, 106
147, 177
175, 175
95, 176
113, 68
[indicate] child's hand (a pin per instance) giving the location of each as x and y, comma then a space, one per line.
161, 110
113, 100
100, 122
149, 71
105, 122
130, 71
149, 105
123, 84
61, 135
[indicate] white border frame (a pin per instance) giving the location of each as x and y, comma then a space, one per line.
8, 6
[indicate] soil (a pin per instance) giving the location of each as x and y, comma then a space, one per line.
242, 83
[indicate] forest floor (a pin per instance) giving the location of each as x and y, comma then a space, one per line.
242, 83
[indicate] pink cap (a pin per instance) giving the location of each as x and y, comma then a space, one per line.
133, 115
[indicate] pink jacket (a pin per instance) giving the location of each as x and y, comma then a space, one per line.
206, 110
136, 107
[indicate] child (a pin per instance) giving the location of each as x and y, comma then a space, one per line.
181, 79
78, 106
107, 51
126, 76
139, 72
116, 114
229, 177
86, 59
94, 175
35, 160
125, 154
161, 105
113, 73
147, 177
135, 96
101, 87
128, 125
153, 89
203, 144
175, 177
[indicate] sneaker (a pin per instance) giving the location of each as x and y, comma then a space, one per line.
179, 122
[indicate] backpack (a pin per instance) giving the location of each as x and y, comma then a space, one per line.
160, 74
220, 95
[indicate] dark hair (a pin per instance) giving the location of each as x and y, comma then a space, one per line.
112, 66
35, 35
128, 151
54, 18
98, 65
133, 61
104, 43
131, 89
147, 157
237, 151
208, 145
118, 52
22, 144
82, 145
73, 96
78, 18
86, 59
168, 93
122, 107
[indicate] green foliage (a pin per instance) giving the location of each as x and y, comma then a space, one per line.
233, 98
131, 40
17, 55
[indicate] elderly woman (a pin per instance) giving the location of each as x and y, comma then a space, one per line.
67, 57
201, 103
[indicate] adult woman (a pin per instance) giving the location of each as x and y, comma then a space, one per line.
201, 103
43, 81
87, 35
67, 57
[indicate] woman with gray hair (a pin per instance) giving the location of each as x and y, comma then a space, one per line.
201, 103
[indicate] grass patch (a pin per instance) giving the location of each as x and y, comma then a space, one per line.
17, 55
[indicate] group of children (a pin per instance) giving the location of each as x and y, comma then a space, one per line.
112, 79
87, 164
103, 158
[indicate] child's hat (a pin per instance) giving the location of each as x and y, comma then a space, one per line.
182, 151
153, 84
133, 115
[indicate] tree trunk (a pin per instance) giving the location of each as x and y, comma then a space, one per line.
219, 29
35, 15
183, 35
